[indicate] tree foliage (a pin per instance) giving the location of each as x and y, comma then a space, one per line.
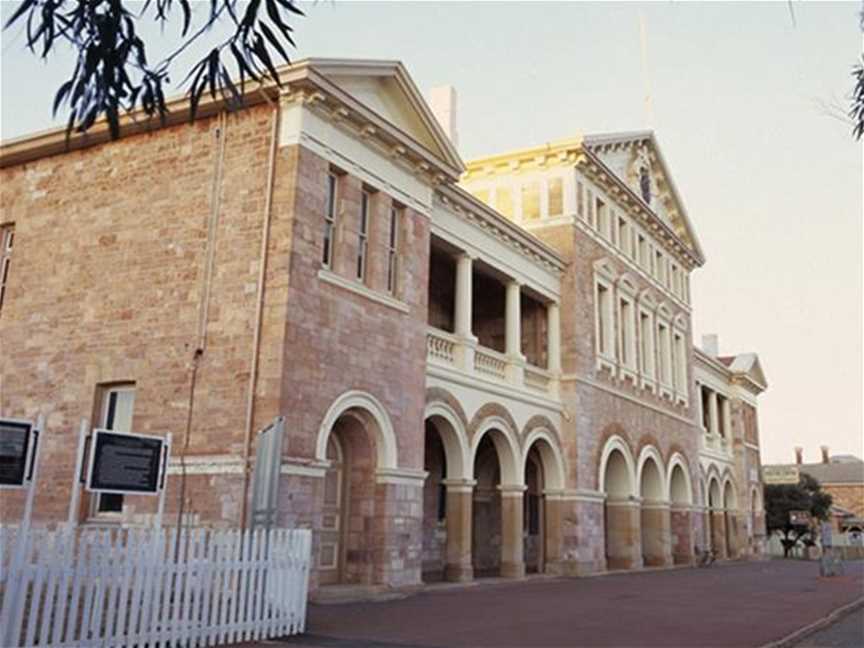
857, 110
806, 495
113, 72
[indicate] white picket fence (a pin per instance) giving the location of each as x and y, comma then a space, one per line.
137, 587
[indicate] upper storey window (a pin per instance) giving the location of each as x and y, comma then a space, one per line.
329, 220
7, 234
530, 201
556, 196
393, 248
363, 235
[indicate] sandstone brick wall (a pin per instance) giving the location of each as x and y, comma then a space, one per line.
106, 287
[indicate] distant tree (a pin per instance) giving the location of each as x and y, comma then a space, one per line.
113, 72
807, 495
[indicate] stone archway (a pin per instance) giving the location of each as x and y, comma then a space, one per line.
730, 520
346, 552
716, 518
543, 469
497, 506
681, 501
654, 514
622, 515
447, 495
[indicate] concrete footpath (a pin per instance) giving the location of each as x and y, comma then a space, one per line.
736, 604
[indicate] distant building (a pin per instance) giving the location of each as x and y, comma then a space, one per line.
843, 477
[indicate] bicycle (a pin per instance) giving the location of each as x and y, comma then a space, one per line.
705, 558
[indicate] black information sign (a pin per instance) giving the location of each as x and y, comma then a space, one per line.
14, 443
125, 463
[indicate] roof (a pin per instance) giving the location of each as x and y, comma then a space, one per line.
744, 367
600, 140
832, 473
379, 106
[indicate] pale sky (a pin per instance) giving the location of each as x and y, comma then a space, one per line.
741, 103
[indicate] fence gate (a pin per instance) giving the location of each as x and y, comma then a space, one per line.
137, 587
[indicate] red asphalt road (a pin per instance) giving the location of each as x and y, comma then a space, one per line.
741, 604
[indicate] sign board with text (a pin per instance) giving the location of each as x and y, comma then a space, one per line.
124, 463
799, 518
18, 441
780, 474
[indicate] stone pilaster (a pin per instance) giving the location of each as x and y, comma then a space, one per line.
682, 534
718, 532
623, 534
512, 546
460, 496
656, 534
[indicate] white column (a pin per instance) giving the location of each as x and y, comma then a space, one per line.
727, 423
513, 343
514, 318
462, 316
464, 264
553, 336
712, 412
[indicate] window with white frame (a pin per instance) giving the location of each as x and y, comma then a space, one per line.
659, 266
116, 404
7, 236
644, 252
622, 235
680, 363
531, 201
627, 326
603, 220
504, 201
329, 220
580, 200
393, 248
363, 235
604, 319
665, 356
646, 343
555, 197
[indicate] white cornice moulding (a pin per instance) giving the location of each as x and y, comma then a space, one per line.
401, 476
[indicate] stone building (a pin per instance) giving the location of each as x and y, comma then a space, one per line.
485, 368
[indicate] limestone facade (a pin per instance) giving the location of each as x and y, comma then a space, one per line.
484, 368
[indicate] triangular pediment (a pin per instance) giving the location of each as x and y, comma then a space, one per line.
637, 161
748, 364
385, 88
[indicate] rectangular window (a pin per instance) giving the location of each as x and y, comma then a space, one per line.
363, 235
680, 365
393, 248
592, 216
644, 259
7, 235
604, 321
628, 334
603, 220
580, 200
115, 413
623, 235
556, 196
658, 265
531, 201
665, 354
329, 220
646, 333
504, 201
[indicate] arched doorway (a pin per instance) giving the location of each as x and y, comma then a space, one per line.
716, 519
534, 514
680, 498
497, 520
486, 536
347, 543
730, 520
434, 559
654, 518
622, 519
